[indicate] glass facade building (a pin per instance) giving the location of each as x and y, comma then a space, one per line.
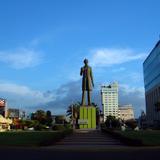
151, 70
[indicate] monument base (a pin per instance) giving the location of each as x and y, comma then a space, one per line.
87, 117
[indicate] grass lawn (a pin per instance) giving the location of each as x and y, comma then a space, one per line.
147, 137
34, 138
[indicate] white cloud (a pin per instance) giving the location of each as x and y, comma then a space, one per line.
21, 58
127, 95
108, 56
119, 69
136, 76
23, 95
129, 90
19, 95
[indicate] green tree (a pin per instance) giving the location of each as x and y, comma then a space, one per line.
49, 118
40, 116
112, 122
29, 123
73, 110
60, 119
131, 123
44, 118
98, 112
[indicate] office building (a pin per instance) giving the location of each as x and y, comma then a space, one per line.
151, 69
126, 112
109, 96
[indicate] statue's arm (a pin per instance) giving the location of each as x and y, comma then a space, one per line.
81, 71
91, 75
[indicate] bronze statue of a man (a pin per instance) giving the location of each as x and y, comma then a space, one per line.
87, 82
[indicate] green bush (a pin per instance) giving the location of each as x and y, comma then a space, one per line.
68, 126
58, 127
131, 124
33, 138
103, 125
39, 127
112, 122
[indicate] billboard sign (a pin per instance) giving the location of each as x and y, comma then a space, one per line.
2, 103
2, 106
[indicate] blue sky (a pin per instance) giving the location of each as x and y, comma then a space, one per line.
43, 44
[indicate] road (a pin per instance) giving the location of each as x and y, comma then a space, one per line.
81, 146
48, 154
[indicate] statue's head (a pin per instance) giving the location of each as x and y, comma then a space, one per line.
85, 61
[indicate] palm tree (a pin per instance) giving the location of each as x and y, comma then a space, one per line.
73, 111
98, 112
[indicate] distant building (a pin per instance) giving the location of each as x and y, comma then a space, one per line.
58, 119
109, 96
22, 114
125, 112
5, 123
3, 106
151, 69
13, 113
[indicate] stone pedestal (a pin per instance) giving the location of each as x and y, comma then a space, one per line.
87, 117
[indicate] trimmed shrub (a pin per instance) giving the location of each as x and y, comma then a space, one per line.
131, 124
112, 122
58, 127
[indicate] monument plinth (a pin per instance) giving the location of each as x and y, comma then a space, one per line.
87, 119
